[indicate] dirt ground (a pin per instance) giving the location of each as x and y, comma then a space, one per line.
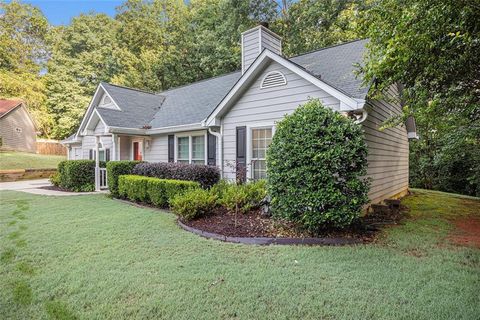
466, 232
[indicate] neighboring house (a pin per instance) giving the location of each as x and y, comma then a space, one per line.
229, 120
17, 128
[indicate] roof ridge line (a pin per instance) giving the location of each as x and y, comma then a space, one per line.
325, 48
203, 80
129, 88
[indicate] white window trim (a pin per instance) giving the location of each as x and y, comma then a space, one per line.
190, 135
250, 145
262, 84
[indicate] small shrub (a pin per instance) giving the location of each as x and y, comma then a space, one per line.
116, 169
241, 197
316, 164
77, 175
55, 179
194, 204
158, 192
207, 176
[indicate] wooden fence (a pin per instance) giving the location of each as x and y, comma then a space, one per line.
53, 147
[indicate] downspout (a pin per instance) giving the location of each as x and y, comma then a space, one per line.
220, 149
363, 118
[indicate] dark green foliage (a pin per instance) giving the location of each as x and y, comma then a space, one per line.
114, 170
77, 175
158, 192
207, 176
194, 204
241, 197
315, 166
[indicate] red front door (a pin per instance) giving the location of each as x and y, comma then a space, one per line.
137, 152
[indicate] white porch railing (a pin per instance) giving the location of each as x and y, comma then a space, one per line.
103, 178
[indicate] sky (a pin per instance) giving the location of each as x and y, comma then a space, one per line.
61, 11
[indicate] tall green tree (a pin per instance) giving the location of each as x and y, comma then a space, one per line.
23, 52
216, 26
311, 24
433, 48
82, 56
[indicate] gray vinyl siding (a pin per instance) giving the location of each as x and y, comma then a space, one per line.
254, 42
388, 149
271, 43
88, 142
250, 49
158, 150
12, 139
125, 145
266, 106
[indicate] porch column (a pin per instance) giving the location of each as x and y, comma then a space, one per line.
113, 155
97, 164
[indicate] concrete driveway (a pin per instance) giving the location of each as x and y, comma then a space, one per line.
34, 186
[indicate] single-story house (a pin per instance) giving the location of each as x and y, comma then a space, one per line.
228, 121
17, 128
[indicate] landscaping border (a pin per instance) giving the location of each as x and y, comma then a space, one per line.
269, 241
262, 241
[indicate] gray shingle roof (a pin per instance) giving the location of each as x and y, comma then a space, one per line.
335, 66
192, 103
137, 107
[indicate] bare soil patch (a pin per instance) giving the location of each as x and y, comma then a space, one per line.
466, 232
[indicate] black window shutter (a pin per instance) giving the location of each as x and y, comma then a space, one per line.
90, 154
211, 149
241, 163
107, 154
171, 148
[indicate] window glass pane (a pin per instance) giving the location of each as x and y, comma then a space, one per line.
261, 139
259, 169
101, 155
198, 149
182, 145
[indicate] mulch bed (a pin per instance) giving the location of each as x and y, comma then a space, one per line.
253, 224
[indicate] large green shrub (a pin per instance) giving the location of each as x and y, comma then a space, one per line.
194, 204
315, 166
158, 192
116, 169
77, 175
241, 197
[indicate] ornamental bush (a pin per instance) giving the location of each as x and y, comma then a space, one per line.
240, 197
316, 162
77, 175
194, 203
158, 192
207, 176
116, 169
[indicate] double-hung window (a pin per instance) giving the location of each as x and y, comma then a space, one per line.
261, 139
191, 149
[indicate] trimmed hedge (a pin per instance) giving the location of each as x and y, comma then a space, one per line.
194, 203
116, 169
207, 176
76, 175
158, 192
242, 197
316, 164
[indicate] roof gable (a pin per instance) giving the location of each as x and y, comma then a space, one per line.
7, 106
346, 102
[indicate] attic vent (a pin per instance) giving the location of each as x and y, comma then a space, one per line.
106, 100
273, 79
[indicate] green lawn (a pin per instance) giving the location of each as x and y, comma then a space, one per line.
91, 257
24, 160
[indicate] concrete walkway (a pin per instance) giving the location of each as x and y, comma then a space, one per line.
34, 186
